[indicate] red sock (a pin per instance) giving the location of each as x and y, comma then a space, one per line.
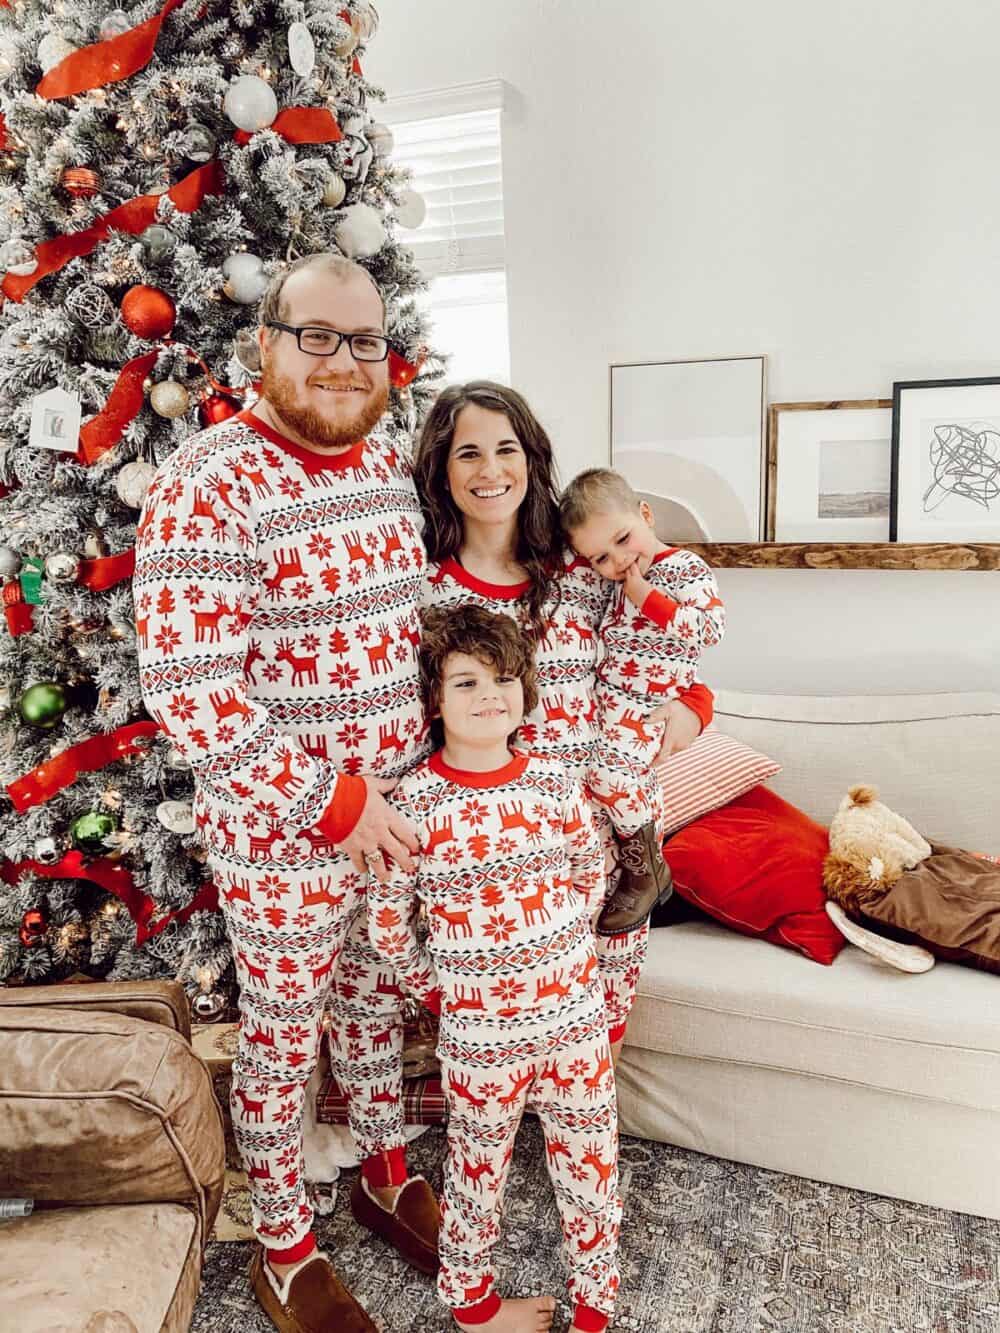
294, 1253
590, 1320
385, 1168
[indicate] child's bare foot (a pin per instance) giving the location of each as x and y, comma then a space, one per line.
533, 1315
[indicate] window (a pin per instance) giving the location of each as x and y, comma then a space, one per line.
451, 143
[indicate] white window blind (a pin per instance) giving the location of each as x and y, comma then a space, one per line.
451, 143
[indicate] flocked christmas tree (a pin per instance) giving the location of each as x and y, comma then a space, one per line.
157, 165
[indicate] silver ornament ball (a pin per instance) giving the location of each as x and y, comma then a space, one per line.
198, 143
61, 567
207, 1006
91, 305
250, 103
169, 399
177, 761
18, 257
10, 562
158, 242
247, 350
114, 24
133, 481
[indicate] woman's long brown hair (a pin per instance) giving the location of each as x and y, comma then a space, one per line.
539, 547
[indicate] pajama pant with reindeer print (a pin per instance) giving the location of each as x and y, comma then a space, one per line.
557, 1063
287, 923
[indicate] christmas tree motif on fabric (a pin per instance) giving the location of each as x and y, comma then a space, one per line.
158, 164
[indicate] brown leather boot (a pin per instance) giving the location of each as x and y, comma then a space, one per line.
412, 1226
645, 883
312, 1299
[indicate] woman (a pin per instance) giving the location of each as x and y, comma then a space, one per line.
485, 474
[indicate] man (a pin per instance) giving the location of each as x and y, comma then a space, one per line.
277, 575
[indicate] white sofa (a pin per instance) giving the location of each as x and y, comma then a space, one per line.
854, 1074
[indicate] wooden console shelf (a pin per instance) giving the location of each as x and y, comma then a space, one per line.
850, 555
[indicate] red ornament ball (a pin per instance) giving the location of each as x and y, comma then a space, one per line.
148, 312
216, 408
33, 928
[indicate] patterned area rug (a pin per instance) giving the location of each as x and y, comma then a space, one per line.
708, 1246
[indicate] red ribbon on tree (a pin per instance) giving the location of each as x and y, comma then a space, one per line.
103, 432
105, 62
300, 124
20, 618
104, 572
116, 880
89, 756
134, 216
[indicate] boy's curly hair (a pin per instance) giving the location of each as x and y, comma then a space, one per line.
492, 639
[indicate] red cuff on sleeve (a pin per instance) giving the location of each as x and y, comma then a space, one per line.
700, 699
588, 1319
618, 1031
294, 1254
339, 818
481, 1313
659, 609
385, 1168
433, 1001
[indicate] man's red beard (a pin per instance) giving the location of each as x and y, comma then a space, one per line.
282, 396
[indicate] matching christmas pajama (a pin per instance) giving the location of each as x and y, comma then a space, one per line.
276, 610
510, 871
649, 657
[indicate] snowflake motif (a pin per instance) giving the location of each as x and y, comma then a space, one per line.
258, 773
401, 652
354, 575
145, 602
183, 708
579, 1067
191, 530
576, 1170
505, 846
291, 487
550, 734
251, 914
576, 1226
558, 901
508, 989
350, 970
500, 928
406, 526
272, 672
224, 733
489, 1090
193, 593
302, 590
310, 643
290, 989
464, 898
344, 675
273, 887
351, 735
364, 632
404, 562
452, 855
302, 920
473, 813
295, 1035
410, 726
167, 640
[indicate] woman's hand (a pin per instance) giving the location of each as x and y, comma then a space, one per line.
683, 725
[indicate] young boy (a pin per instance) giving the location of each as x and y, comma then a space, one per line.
509, 872
663, 612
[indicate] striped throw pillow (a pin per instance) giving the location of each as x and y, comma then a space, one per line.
710, 773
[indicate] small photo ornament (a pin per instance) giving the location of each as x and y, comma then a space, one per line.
55, 421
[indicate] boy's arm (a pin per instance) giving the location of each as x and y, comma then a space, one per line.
695, 614
583, 848
393, 908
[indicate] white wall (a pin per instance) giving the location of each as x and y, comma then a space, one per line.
814, 181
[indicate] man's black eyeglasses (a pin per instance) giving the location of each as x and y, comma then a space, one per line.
318, 341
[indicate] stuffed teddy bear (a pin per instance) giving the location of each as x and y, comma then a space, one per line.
869, 845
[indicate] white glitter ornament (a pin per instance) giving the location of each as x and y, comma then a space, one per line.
133, 481
411, 209
250, 103
245, 278
18, 257
91, 305
360, 233
114, 24
334, 191
52, 49
169, 399
176, 816
61, 567
380, 138
301, 50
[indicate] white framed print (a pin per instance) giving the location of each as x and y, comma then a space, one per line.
946, 460
829, 470
689, 438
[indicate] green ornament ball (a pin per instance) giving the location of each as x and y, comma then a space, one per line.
43, 705
90, 832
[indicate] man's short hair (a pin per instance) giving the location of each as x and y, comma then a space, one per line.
271, 307
491, 638
596, 491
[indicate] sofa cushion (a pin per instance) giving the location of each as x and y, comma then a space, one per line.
709, 994
60, 1267
757, 867
712, 771
934, 757
104, 1108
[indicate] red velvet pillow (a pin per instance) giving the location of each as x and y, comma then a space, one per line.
756, 865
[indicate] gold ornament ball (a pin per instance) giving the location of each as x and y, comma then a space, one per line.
169, 399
